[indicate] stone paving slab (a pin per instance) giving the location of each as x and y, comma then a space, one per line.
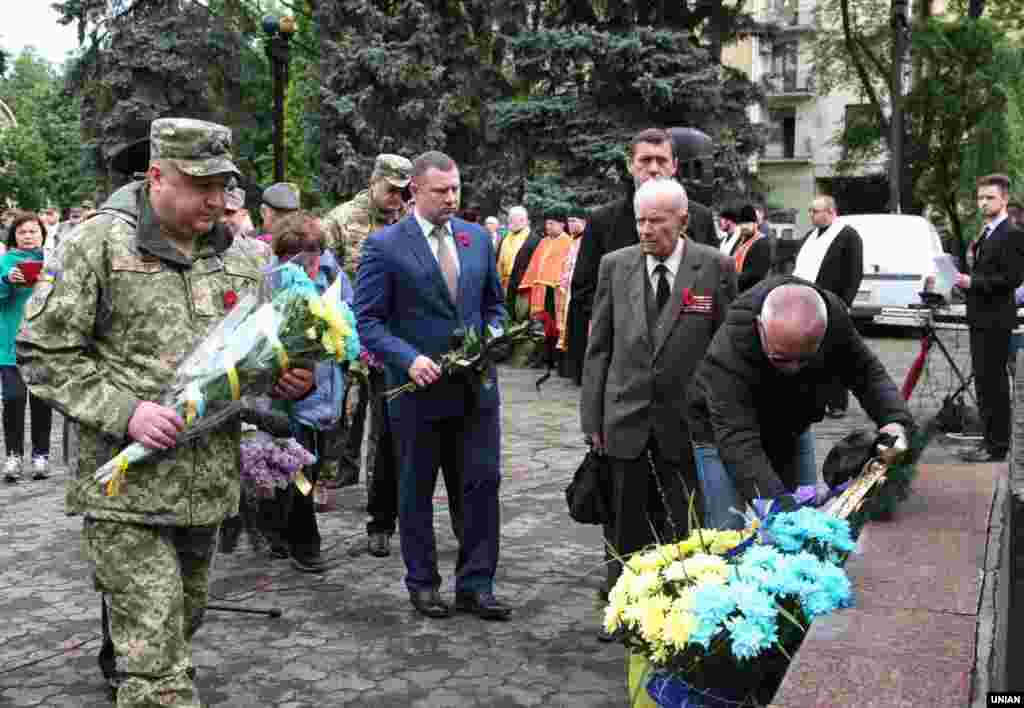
350, 638
911, 638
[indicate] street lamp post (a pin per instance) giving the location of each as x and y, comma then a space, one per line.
279, 32
900, 29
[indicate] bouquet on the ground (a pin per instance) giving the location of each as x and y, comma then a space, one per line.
719, 615
285, 323
269, 464
473, 354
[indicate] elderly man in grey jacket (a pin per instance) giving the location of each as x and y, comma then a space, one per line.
656, 308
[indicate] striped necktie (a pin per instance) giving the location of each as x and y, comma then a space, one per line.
446, 259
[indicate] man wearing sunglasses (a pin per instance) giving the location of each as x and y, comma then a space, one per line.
767, 377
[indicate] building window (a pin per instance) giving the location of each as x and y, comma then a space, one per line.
782, 141
784, 65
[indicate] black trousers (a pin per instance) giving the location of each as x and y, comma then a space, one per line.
382, 485
839, 399
644, 497
990, 349
16, 396
288, 520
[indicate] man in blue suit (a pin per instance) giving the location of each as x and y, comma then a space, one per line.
419, 281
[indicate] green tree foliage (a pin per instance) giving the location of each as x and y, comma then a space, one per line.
954, 104
536, 101
41, 159
146, 59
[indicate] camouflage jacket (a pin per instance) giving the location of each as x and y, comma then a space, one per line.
106, 331
350, 223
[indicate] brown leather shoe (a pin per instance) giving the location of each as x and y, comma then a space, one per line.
430, 604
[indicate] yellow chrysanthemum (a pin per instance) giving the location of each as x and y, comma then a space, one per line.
702, 564
675, 571
726, 541
613, 616
316, 306
648, 562
653, 612
685, 601
328, 343
677, 627
311, 333
642, 584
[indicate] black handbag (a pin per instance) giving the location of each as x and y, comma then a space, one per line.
589, 494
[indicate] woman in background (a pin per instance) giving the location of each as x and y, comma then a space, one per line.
19, 268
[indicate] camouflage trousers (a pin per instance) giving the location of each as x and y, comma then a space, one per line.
154, 581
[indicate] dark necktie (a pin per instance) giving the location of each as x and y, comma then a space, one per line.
981, 241
664, 289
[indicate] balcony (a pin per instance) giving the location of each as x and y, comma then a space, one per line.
787, 88
783, 19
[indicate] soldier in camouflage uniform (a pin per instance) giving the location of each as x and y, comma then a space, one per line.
347, 226
129, 295
380, 205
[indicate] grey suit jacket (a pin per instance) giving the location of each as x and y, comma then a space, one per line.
635, 377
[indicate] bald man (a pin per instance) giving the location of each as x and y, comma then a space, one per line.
766, 379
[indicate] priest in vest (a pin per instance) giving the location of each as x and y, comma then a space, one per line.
832, 258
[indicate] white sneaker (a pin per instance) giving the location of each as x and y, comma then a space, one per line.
40, 466
12, 469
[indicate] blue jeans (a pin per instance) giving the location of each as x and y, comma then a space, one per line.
718, 486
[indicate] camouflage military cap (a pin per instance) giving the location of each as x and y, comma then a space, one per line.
396, 169
196, 147
282, 195
234, 199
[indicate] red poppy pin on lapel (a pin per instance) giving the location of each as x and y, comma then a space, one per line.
463, 238
230, 300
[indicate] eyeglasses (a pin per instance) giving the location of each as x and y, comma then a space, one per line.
799, 360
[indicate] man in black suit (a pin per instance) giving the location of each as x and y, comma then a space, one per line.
996, 262
832, 257
613, 226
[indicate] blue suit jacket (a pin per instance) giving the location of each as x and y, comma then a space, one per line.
403, 309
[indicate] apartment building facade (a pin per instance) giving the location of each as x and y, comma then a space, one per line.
800, 157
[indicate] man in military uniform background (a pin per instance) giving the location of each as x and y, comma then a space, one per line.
377, 206
347, 226
135, 290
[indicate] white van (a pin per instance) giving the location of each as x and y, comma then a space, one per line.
899, 252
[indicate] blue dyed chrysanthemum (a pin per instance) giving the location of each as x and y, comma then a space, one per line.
750, 637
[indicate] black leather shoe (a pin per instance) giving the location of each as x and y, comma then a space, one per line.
429, 603
311, 564
279, 552
482, 604
606, 637
982, 454
379, 545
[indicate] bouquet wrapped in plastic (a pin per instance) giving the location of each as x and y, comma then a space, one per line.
285, 323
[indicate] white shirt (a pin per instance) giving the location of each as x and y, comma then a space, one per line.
428, 233
729, 241
672, 263
994, 224
812, 253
